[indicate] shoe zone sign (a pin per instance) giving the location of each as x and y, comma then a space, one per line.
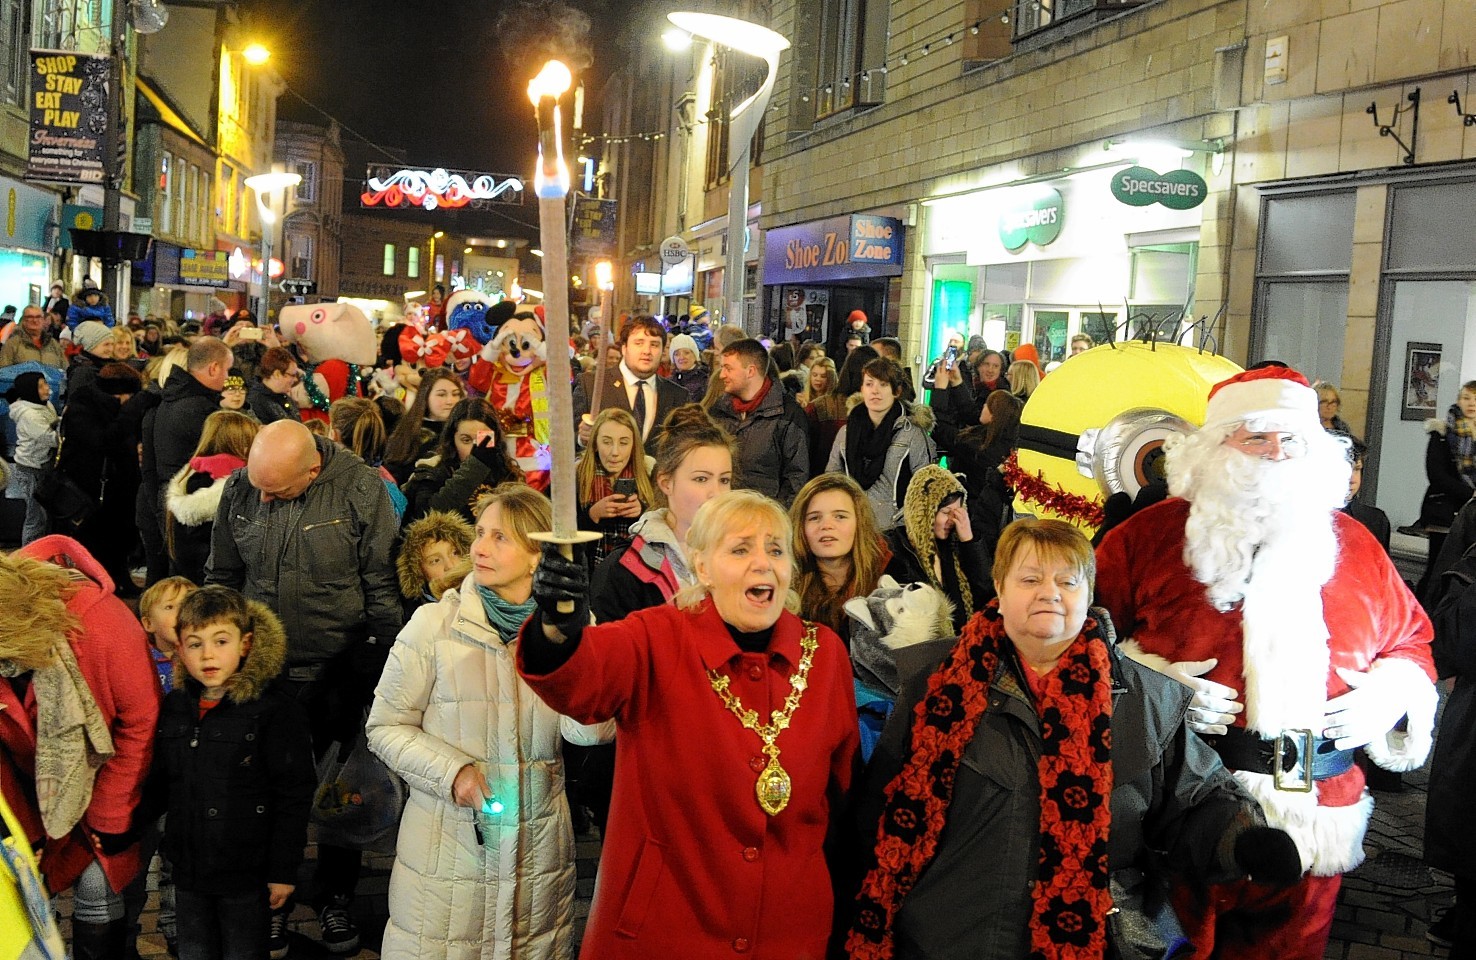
845, 247
1177, 189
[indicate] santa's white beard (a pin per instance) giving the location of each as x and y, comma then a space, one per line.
1260, 532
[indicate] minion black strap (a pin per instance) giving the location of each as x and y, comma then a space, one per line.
1052, 443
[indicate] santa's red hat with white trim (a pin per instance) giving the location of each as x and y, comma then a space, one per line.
1274, 396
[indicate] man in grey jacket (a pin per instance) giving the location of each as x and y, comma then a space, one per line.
772, 430
308, 529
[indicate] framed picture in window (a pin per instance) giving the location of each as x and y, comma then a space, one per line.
1421, 380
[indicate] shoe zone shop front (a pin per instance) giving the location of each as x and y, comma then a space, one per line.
1103, 250
816, 273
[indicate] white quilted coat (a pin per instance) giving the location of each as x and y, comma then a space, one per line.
450, 695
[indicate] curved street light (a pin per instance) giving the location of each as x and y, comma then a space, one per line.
757, 41
264, 185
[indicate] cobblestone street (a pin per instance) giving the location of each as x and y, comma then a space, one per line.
1383, 910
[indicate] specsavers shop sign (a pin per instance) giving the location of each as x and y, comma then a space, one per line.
839, 248
1177, 189
69, 111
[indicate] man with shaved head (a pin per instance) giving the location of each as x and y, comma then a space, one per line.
308, 529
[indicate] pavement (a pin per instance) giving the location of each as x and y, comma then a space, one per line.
1382, 912
1384, 907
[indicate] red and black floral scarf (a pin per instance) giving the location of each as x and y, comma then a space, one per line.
1071, 897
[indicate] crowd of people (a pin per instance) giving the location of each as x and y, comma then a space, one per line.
684, 683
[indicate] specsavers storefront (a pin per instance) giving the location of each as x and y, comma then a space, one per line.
1112, 249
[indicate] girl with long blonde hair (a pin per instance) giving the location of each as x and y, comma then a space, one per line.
615, 485
193, 494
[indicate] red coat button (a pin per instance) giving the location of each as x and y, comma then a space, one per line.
757, 764
755, 673
750, 854
741, 945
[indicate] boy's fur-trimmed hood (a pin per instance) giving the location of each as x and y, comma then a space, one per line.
436, 526
261, 666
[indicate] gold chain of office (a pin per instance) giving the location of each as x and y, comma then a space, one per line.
774, 786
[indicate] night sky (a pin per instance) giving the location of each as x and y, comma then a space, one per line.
444, 81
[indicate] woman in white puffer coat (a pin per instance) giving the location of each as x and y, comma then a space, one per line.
484, 866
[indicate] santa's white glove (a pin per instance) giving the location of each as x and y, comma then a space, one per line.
1215, 705
1368, 711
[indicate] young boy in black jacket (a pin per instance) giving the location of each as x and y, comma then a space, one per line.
236, 763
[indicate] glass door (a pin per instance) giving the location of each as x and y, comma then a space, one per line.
1431, 353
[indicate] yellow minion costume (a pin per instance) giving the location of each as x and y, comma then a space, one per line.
27, 927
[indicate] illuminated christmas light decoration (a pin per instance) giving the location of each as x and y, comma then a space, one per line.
436, 188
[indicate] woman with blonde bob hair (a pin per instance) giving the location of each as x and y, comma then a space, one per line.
839, 552
79, 705
486, 826
1034, 700
736, 731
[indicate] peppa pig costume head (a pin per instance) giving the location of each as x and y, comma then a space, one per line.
330, 331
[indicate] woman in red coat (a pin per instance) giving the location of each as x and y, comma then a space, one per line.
85, 747
736, 736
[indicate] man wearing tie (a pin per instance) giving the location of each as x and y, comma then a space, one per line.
633, 384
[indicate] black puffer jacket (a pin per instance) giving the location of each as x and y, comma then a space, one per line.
322, 562
172, 431
269, 407
773, 444
439, 485
238, 782
1170, 794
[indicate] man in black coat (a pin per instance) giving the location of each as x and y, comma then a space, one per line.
633, 384
172, 430
771, 428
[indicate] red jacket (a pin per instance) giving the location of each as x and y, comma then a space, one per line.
692, 867
113, 655
1155, 600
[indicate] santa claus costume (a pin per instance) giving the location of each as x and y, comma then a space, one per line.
1296, 632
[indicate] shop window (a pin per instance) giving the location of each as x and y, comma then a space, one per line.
202, 212
842, 59
301, 256
389, 259
1301, 308
1028, 17
1430, 227
191, 184
412, 263
307, 189
166, 193
14, 62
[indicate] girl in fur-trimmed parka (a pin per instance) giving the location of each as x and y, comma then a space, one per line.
194, 493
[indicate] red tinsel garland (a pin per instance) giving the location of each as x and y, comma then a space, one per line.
1033, 488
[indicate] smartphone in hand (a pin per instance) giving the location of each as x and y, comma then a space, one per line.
625, 487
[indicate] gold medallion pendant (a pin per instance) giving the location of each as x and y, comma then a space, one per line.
774, 787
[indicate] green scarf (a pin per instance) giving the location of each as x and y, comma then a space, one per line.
506, 618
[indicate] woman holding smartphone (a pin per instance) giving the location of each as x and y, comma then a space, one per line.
470, 460
614, 482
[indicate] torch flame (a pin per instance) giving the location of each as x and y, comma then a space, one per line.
604, 275
553, 80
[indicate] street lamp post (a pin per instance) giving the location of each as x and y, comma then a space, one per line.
757, 41
266, 184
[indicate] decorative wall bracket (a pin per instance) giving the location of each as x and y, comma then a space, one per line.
1412, 106
1468, 118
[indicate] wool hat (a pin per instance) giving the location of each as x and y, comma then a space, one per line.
119, 378
856, 315
683, 342
1278, 395
90, 333
234, 382
697, 313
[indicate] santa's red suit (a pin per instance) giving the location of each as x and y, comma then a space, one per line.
521, 400
1372, 622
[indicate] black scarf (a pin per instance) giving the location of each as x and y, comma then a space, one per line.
866, 445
